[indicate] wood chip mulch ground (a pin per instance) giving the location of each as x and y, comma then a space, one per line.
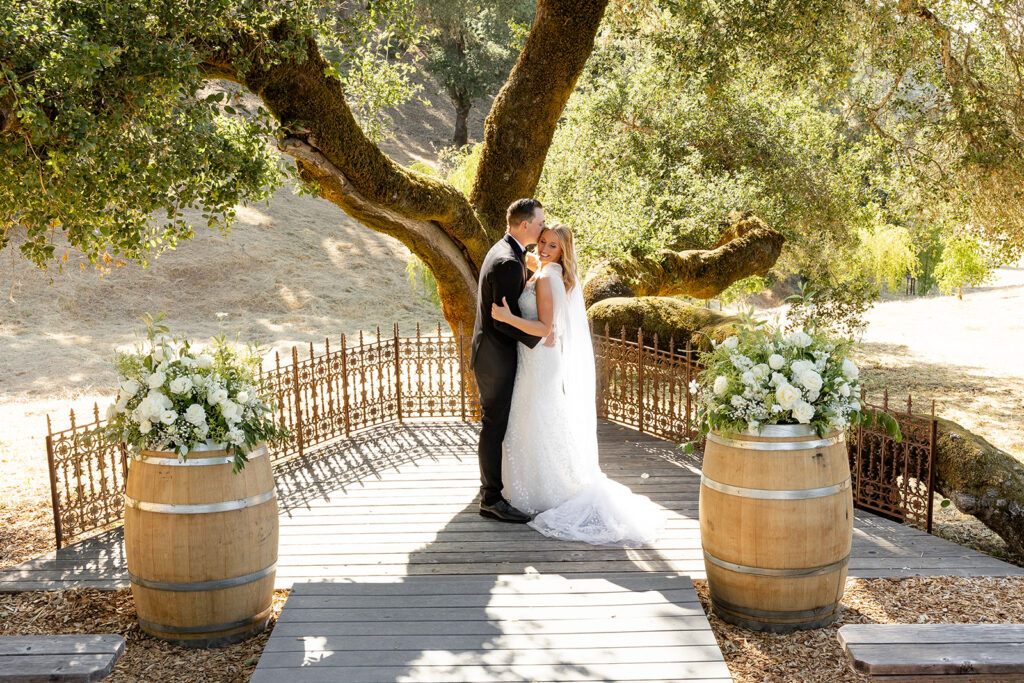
816, 657
812, 656
145, 658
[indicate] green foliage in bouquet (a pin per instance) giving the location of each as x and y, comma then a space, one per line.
767, 375
173, 397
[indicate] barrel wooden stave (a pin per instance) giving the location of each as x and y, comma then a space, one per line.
809, 534
172, 549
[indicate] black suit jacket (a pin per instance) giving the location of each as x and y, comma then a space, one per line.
503, 274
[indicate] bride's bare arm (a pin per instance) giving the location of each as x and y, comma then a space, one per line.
545, 311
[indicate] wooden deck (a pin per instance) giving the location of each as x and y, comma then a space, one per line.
399, 501
529, 627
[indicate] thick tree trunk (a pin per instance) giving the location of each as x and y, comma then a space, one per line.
462, 106
983, 481
748, 247
521, 124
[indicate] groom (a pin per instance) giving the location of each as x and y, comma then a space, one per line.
503, 275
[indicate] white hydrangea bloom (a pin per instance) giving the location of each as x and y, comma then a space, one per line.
799, 339
748, 377
721, 385
738, 401
236, 436
731, 343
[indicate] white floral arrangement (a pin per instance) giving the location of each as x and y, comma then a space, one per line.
763, 375
173, 397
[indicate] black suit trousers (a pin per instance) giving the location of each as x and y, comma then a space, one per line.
495, 387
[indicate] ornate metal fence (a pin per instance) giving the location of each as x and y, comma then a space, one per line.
359, 384
320, 397
896, 480
647, 386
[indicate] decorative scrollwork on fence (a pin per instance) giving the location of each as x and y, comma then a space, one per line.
642, 383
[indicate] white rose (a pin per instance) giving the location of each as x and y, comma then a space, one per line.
800, 366
195, 414
855, 405
156, 380
760, 371
803, 412
232, 412
121, 404
181, 385
787, 395
202, 430
721, 385
748, 377
799, 339
811, 380
205, 361
243, 397
168, 417
145, 426
778, 379
130, 387
197, 380
111, 411
775, 361
850, 370
731, 343
844, 390
215, 396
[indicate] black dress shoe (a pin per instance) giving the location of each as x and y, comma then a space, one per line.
504, 512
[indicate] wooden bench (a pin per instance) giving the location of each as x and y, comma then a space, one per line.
936, 652
78, 658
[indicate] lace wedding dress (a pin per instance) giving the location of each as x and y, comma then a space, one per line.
549, 465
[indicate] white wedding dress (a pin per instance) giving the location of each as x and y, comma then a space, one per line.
549, 465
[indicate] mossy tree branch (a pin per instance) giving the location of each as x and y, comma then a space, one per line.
748, 247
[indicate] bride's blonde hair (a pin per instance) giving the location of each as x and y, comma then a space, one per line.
568, 257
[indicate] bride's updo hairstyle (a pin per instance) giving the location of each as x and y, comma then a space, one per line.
568, 257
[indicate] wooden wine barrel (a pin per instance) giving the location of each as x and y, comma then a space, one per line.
776, 524
201, 545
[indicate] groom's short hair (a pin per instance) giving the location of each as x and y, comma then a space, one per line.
521, 210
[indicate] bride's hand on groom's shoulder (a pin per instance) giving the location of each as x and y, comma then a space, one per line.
501, 312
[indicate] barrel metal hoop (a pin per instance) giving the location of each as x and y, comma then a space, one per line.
776, 445
790, 573
201, 508
199, 462
817, 612
216, 584
210, 628
775, 494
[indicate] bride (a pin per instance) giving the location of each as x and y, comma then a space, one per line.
549, 465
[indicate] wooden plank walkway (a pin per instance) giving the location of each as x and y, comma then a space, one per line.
399, 501
536, 627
